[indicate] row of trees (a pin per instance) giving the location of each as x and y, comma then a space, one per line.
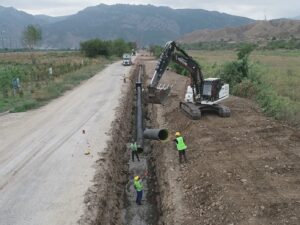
292, 43
32, 35
97, 47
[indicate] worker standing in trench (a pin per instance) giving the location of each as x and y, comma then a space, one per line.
181, 146
134, 150
138, 186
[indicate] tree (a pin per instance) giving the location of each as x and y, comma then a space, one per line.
95, 47
31, 36
244, 50
155, 50
119, 47
236, 71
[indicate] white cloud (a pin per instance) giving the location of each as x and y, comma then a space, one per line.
255, 9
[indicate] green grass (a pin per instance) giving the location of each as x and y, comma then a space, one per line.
278, 79
70, 69
282, 71
17, 104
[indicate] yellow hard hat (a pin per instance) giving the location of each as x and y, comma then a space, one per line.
177, 133
136, 178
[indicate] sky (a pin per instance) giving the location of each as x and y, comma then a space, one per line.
254, 9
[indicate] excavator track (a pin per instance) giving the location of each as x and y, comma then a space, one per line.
223, 111
194, 111
191, 110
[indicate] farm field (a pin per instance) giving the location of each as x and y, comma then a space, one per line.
29, 80
279, 70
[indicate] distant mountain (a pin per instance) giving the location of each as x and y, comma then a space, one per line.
144, 24
259, 31
297, 18
12, 24
50, 19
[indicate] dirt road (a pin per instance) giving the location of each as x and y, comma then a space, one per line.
242, 170
44, 171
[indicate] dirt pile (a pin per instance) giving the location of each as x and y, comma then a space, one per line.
241, 170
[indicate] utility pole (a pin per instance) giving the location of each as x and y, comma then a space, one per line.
2, 38
10, 44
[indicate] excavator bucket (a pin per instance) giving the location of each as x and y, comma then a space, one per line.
158, 95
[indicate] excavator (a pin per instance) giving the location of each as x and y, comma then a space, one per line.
202, 94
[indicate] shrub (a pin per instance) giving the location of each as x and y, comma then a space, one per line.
7, 74
155, 50
26, 105
235, 72
97, 47
245, 89
178, 69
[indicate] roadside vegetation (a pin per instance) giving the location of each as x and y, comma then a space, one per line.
97, 47
292, 43
32, 78
155, 50
26, 84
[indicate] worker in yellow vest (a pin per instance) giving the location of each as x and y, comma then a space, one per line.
138, 186
134, 150
181, 146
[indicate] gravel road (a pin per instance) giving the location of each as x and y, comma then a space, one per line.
44, 171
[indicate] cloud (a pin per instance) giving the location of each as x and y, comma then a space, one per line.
255, 9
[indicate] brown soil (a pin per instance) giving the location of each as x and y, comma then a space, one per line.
241, 170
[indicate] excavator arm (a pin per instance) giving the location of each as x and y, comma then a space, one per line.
163, 63
174, 53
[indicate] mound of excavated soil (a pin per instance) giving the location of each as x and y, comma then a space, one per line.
241, 170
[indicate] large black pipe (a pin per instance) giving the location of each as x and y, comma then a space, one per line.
152, 134
139, 109
156, 134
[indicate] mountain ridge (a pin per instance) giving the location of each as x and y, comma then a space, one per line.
260, 31
144, 24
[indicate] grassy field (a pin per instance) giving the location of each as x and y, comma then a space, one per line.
37, 84
279, 71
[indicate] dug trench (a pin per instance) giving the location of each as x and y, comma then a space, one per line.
111, 200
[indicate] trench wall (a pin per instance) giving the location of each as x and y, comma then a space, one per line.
105, 199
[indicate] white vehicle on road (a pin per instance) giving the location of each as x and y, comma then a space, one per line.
127, 59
